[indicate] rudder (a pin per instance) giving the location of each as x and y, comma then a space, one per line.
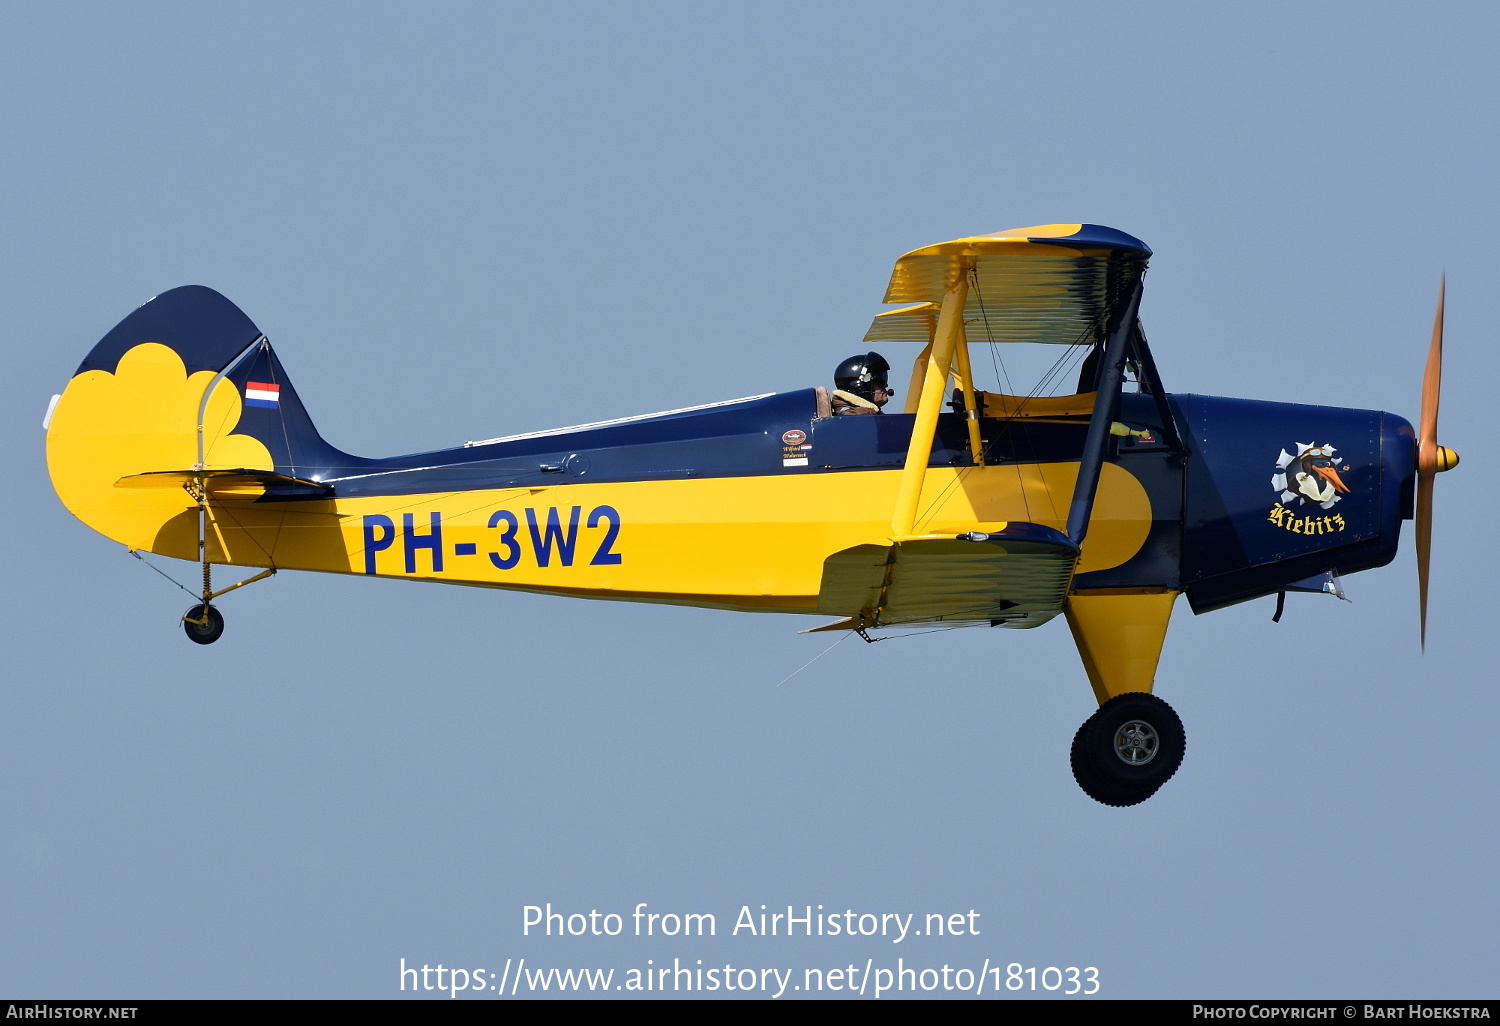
133, 407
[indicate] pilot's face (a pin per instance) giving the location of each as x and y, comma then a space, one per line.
880, 396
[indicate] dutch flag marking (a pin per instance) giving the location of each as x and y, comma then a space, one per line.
262, 394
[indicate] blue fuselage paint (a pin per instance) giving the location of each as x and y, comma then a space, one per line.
1222, 531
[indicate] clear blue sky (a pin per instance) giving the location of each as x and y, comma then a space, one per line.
463, 220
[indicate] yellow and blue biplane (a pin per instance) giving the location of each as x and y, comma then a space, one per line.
181, 434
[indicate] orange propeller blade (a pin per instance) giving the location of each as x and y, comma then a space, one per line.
1424, 545
1427, 449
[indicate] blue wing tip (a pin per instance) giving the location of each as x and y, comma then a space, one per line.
1102, 235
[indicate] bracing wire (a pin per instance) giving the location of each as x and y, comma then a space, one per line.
989, 335
842, 638
159, 570
890, 637
933, 630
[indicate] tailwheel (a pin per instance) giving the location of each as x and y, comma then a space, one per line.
1128, 749
203, 624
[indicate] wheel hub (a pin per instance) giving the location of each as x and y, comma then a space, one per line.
1136, 743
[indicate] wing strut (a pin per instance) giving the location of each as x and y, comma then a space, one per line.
948, 337
1106, 407
1151, 378
971, 400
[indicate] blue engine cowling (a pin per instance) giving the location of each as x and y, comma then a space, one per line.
1278, 492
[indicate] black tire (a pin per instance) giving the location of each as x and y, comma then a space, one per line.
201, 633
1088, 777
1128, 749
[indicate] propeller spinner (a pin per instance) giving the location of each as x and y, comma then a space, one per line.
1432, 458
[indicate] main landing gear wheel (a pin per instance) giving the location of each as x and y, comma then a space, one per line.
203, 624
1128, 749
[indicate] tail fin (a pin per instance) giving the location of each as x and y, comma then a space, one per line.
185, 383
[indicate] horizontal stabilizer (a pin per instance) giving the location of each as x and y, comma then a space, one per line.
238, 482
1017, 577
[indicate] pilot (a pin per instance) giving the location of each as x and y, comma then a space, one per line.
860, 385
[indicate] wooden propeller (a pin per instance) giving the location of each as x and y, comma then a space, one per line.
1431, 457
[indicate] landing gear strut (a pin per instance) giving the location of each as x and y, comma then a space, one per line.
1128, 749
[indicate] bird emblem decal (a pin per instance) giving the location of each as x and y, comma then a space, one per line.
1311, 477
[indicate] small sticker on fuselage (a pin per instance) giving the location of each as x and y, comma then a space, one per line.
795, 455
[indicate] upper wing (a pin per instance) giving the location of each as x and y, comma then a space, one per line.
1056, 283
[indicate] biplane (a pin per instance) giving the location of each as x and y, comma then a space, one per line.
181, 434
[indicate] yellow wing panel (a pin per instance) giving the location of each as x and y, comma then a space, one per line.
908, 324
1015, 579
1049, 283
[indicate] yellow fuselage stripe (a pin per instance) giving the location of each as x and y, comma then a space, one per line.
740, 542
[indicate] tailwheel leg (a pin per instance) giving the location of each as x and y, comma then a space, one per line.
1128, 749
204, 624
